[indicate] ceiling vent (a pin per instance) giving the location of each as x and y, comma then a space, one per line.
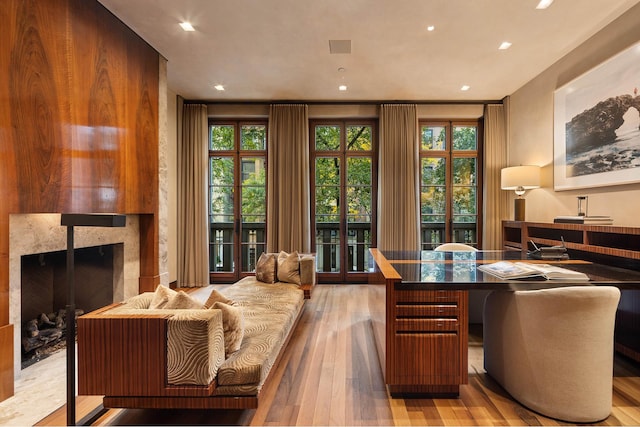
339, 46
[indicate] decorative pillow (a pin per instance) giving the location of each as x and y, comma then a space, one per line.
232, 325
216, 296
266, 268
183, 301
289, 267
141, 301
161, 297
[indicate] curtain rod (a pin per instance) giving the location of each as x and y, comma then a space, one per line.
476, 102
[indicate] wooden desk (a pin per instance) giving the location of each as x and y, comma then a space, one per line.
419, 311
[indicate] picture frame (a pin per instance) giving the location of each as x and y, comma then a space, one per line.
597, 125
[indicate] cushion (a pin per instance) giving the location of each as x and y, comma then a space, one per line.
182, 301
139, 301
195, 346
270, 312
289, 267
232, 326
216, 296
266, 268
161, 297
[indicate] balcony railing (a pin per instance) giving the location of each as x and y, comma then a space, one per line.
221, 246
328, 246
433, 234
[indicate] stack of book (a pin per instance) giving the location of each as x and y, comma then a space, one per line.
587, 220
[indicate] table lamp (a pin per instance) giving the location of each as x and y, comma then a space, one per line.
520, 179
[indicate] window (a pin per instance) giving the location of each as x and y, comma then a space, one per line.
450, 199
344, 191
237, 197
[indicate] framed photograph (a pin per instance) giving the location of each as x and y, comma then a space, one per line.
597, 125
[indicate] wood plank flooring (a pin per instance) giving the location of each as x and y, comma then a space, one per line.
330, 375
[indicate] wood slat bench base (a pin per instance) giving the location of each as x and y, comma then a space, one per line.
218, 402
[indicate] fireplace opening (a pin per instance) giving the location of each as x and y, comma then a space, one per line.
44, 296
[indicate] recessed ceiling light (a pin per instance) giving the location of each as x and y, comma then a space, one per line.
431, 28
187, 26
465, 87
505, 46
218, 87
342, 87
543, 4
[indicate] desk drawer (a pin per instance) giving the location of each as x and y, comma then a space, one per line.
413, 296
427, 310
426, 325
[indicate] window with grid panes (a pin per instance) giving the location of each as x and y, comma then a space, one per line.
237, 196
450, 196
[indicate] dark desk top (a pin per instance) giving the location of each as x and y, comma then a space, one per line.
458, 271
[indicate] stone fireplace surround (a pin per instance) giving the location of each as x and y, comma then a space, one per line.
38, 233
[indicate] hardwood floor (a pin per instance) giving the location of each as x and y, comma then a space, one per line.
330, 375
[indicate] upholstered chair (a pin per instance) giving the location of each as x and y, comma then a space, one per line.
552, 349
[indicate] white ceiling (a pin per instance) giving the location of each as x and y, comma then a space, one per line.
263, 50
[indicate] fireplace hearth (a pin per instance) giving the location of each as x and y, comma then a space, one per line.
43, 297
34, 238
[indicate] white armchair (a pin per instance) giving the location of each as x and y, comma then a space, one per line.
455, 247
552, 349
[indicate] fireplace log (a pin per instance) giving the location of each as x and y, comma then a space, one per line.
46, 330
29, 344
31, 328
43, 338
59, 322
45, 322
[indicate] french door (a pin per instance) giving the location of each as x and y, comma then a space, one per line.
237, 198
450, 183
344, 194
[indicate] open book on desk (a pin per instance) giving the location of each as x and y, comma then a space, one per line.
522, 270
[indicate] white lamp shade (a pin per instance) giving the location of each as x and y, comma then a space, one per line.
527, 177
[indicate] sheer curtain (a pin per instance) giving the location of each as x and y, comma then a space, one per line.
288, 209
496, 200
193, 231
398, 179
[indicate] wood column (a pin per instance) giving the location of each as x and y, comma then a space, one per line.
149, 253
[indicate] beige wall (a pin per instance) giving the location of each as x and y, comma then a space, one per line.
531, 131
172, 196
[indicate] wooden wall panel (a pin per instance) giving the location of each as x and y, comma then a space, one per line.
8, 193
38, 104
6, 362
8, 190
98, 92
142, 154
80, 133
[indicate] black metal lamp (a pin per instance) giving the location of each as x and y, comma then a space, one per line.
71, 220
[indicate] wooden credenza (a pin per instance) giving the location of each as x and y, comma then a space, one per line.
421, 335
592, 241
604, 244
